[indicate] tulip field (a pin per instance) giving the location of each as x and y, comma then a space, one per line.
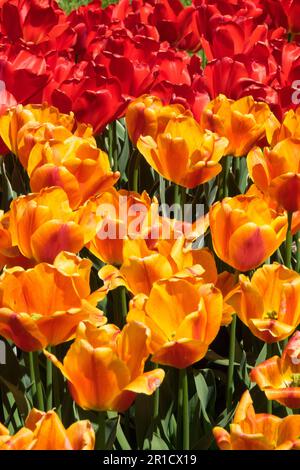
150, 225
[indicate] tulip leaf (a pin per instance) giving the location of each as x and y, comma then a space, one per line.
206, 391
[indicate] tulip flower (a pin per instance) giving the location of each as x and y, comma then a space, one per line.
251, 431
184, 317
37, 119
269, 303
143, 266
148, 116
277, 172
246, 231
42, 306
53, 155
279, 377
105, 366
45, 431
183, 153
118, 214
42, 225
243, 122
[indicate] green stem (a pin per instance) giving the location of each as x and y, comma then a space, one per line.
49, 382
183, 424
113, 145
230, 382
37, 389
177, 201
269, 355
226, 171
289, 241
56, 387
100, 437
136, 171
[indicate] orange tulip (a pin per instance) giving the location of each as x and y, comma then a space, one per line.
246, 231
279, 377
9, 255
250, 431
118, 215
277, 172
184, 317
54, 155
143, 266
269, 303
42, 225
244, 122
290, 127
148, 116
45, 431
41, 119
105, 366
183, 153
43, 305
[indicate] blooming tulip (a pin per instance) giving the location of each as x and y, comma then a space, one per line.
276, 171
183, 153
243, 122
250, 431
143, 266
43, 305
45, 431
184, 317
279, 377
269, 303
147, 116
105, 366
42, 225
246, 231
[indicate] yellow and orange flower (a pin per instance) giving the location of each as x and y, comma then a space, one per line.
246, 231
42, 225
143, 266
183, 153
251, 431
290, 127
45, 431
43, 305
105, 366
117, 215
184, 316
148, 116
54, 155
269, 303
243, 122
276, 171
279, 377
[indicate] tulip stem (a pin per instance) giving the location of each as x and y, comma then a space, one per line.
230, 382
183, 421
49, 381
37, 390
100, 437
113, 145
179, 195
226, 171
289, 241
135, 171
